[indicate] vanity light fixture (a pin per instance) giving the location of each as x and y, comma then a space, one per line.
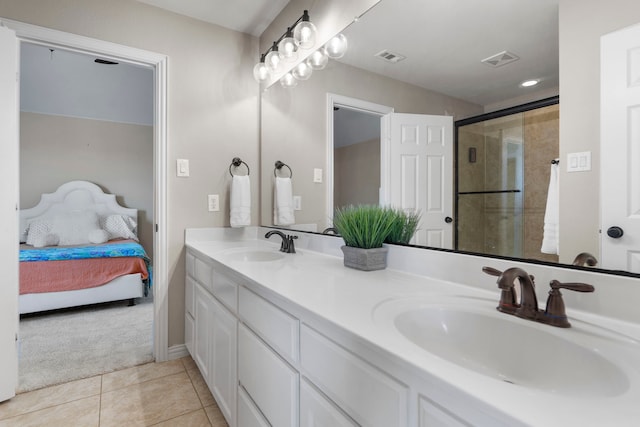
304, 32
336, 47
260, 71
529, 83
287, 47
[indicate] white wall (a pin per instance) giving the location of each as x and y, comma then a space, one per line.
212, 106
582, 23
118, 157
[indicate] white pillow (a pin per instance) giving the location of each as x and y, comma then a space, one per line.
120, 227
73, 228
38, 230
98, 236
43, 240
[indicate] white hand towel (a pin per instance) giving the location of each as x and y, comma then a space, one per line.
283, 202
551, 232
240, 203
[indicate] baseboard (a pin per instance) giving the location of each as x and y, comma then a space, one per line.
177, 351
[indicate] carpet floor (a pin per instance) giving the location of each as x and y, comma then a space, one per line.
66, 345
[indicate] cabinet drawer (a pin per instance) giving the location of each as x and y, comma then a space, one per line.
189, 295
203, 273
366, 394
317, 411
189, 333
226, 290
278, 328
248, 414
189, 260
270, 382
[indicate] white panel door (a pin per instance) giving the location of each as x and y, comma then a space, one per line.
8, 212
620, 149
420, 177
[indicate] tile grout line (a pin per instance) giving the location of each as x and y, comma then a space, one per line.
100, 400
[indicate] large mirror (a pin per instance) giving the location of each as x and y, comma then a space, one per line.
440, 72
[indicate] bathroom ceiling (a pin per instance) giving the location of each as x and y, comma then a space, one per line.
246, 16
444, 41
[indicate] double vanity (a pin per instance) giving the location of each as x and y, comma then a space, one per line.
288, 339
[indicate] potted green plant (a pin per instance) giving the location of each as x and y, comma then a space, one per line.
405, 225
364, 229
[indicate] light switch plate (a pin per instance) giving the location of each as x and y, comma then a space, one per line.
182, 166
317, 175
579, 162
214, 202
297, 203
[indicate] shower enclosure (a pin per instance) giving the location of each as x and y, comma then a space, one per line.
503, 161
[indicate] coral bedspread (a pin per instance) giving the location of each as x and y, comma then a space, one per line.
79, 267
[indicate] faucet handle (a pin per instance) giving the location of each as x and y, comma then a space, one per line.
491, 271
507, 303
578, 287
554, 313
291, 248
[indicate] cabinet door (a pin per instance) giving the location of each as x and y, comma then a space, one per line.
203, 316
317, 411
268, 379
189, 332
432, 415
223, 372
248, 414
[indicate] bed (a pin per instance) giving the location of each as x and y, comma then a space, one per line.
78, 247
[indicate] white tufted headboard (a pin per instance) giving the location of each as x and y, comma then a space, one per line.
73, 196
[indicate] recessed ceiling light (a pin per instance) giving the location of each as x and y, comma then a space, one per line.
529, 83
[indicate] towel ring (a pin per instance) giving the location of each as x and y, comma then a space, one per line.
237, 162
555, 162
279, 166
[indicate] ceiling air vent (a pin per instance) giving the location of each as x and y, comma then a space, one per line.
500, 59
390, 56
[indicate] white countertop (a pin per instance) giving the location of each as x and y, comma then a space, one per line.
319, 284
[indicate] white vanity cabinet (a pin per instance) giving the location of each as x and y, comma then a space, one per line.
267, 348
211, 330
268, 367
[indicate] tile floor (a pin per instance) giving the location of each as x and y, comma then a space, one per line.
156, 394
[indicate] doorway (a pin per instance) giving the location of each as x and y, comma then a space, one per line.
83, 117
353, 137
111, 51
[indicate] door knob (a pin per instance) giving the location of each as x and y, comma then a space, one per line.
615, 232
448, 220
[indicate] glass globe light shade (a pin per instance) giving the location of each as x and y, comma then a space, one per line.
336, 47
273, 59
260, 71
287, 48
288, 81
302, 71
304, 33
318, 60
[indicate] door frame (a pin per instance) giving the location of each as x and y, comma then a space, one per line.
158, 63
334, 100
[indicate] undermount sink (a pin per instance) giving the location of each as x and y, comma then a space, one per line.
254, 254
508, 349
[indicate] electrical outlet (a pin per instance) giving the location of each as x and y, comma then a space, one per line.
214, 203
182, 166
297, 203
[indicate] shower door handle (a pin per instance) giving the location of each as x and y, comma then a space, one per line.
448, 220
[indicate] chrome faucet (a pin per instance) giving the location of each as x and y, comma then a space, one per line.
554, 313
287, 244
